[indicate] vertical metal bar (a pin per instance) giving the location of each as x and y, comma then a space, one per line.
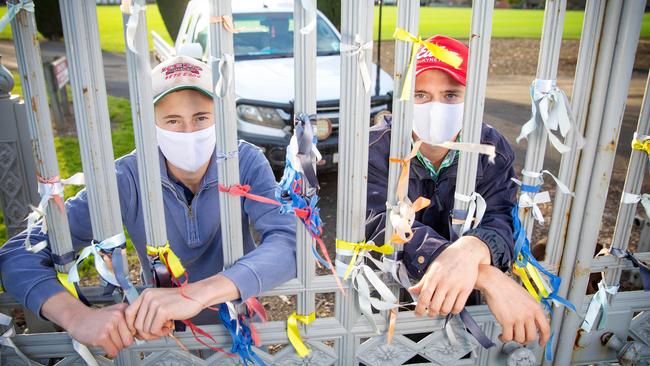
584, 75
593, 179
549, 55
633, 182
79, 20
477, 70
378, 69
402, 123
356, 29
142, 113
593, 122
28, 54
304, 56
222, 49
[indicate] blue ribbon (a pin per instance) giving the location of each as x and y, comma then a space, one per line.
240, 333
13, 9
523, 256
531, 189
644, 269
473, 328
548, 354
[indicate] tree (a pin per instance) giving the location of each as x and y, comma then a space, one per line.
172, 12
332, 10
48, 19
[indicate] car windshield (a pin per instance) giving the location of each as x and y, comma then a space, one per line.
269, 35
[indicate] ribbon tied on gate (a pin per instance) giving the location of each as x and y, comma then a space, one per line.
531, 197
359, 49
553, 108
13, 9
294, 333
133, 10
598, 305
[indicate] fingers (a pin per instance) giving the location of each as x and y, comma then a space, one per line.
152, 309
107, 345
520, 333
426, 291
158, 326
131, 312
435, 305
461, 300
531, 331
506, 332
125, 334
115, 339
544, 327
449, 302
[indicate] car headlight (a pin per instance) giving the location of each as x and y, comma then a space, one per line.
323, 128
260, 115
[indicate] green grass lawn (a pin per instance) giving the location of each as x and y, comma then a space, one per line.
69, 158
454, 22
111, 28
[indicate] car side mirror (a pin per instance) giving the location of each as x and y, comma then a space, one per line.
193, 50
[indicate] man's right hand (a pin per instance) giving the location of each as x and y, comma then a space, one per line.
105, 327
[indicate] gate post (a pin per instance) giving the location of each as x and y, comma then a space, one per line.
17, 190
356, 35
612, 81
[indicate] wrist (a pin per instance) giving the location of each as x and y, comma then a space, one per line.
213, 290
475, 249
485, 278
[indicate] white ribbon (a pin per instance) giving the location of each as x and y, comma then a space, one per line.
225, 69
525, 200
47, 191
631, 198
599, 303
102, 268
470, 147
475, 211
539, 175
13, 9
132, 24
310, 9
292, 154
233, 314
84, 353
5, 339
359, 49
554, 111
402, 217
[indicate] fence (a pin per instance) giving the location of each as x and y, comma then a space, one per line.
607, 48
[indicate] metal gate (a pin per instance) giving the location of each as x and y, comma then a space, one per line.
609, 39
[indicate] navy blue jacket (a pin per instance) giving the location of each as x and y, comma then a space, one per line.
431, 228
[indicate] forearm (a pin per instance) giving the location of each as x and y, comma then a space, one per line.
213, 290
487, 275
62, 309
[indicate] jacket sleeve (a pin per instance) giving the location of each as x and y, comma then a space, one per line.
30, 277
273, 262
500, 193
425, 245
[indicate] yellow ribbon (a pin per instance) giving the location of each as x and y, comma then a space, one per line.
357, 247
449, 57
294, 334
168, 258
540, 289
643, 145
63, 278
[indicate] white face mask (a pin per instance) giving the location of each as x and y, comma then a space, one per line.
187, 150
435, 123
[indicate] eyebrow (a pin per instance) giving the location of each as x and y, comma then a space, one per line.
194, 115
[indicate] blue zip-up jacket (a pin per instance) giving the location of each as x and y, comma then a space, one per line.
193, 231
431, 229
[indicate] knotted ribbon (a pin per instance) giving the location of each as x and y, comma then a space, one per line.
644, 269
51, 188
531, 197
13, 9
359, 49
598, 305
310, 9
641, 142
475, 211
631, 198
225, 68
294, 333
240, 332
133, 10
226, 21
553, 108
449, 57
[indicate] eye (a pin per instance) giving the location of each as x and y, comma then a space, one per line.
202, 118
451, 96
171, 121
421, 97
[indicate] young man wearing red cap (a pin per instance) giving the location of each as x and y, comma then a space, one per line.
188, 166
447, 269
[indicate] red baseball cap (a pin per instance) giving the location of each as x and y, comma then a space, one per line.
426, 61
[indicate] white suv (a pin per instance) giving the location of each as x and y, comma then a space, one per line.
264, 73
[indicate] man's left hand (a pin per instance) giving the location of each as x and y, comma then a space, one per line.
451, 277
